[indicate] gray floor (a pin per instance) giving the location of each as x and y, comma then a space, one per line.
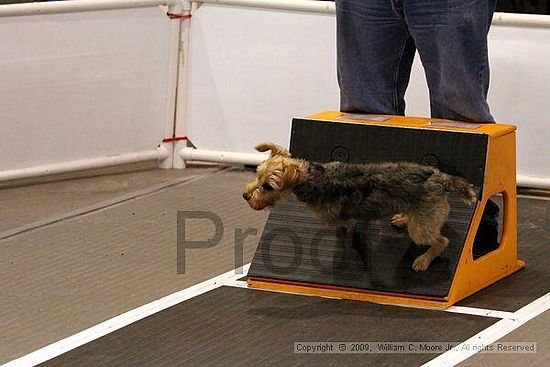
77, 252
535, 330
63, 277
30, 204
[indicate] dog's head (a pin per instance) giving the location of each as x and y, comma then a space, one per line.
275, 178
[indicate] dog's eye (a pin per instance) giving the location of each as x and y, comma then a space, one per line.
267, 187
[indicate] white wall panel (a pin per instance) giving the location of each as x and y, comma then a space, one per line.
82, 85
251, 70
520, 91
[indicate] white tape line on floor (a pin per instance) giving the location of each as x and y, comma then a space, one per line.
120, 321
453, 309
491, 334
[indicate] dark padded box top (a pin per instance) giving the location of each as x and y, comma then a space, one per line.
457, 153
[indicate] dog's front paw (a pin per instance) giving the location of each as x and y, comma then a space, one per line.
399, 221
421, 263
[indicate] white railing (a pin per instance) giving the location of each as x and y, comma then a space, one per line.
328, 7
159, 155
311, 6
178, 65
38, 144
73, 6
191, 154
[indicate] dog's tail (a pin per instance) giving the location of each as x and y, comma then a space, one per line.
459, 185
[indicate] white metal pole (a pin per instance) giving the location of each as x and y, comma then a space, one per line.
533, 182
158, 154
56, 7
172, 71
521, 20
296, 5
191, 154
176, 10
180, 127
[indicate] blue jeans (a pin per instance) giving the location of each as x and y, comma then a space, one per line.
376, 43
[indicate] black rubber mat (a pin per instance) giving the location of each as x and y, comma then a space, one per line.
241, 327
523, 287
295, 246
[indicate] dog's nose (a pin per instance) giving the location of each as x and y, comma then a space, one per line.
246, 196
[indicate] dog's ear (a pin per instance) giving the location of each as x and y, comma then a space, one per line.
274, 148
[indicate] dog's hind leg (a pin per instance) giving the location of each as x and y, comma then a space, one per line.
422, 262
424, 228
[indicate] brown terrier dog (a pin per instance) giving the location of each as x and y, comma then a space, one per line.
413, 195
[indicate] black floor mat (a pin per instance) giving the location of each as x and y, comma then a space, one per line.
242, 327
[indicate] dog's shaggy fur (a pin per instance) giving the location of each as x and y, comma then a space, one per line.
412, 195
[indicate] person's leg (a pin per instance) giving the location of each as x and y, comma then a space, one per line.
374, 56
451, 38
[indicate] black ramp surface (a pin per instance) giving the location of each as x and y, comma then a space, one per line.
372, 255
241, 327
532, 282
295, 246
